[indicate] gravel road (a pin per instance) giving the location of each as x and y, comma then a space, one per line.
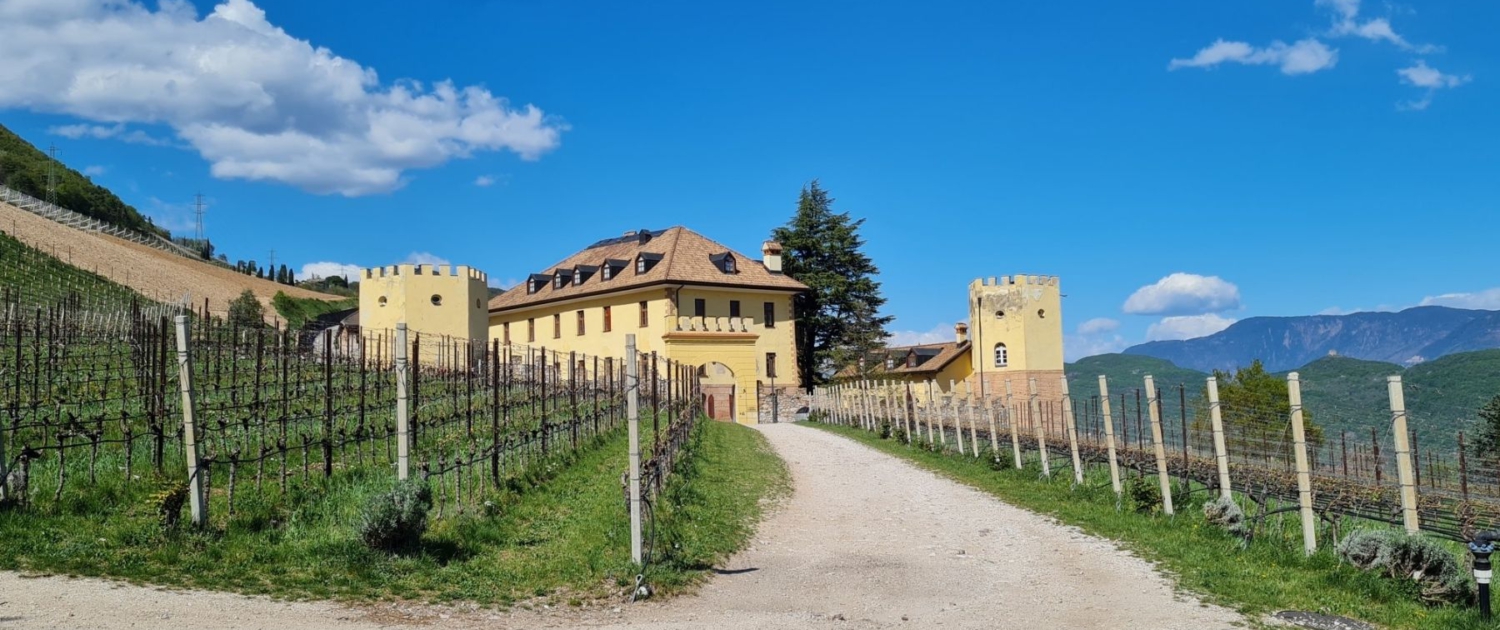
865, 541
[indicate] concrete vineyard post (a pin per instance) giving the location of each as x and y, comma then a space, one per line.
973, 424
1010, 421
1403, 456
1221, 452
1152, 402
198, 500
1109, 435
989, 414
633, 419
403, 417
1304, 476
951, 403
1041, 437
1070, 424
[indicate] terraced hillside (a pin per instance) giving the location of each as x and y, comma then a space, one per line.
154, 274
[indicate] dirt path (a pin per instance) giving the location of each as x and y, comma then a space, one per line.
866, 541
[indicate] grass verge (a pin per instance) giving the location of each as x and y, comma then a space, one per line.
1269, 575
566, 539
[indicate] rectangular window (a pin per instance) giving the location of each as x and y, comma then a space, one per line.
580, 323
700, 307
607, 323
770, 314
734, 308
771, 365
507, 333
645, 314
531, 330
557, 325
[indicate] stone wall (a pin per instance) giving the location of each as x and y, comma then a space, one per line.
789, 400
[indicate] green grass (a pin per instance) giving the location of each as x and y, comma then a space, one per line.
566, 538
1269, 575
298, 311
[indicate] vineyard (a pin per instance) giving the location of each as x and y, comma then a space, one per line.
1168, 432
155, 422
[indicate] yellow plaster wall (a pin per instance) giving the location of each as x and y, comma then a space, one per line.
1031, 327
408, 291
624, 320
779, 339
738, 353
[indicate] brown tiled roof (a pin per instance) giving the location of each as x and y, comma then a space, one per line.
685, 259
931, 358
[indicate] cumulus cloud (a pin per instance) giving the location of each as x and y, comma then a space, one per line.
1305, 56
329, 270
1098, 325
1346, 22
484, 181
254, 101
1187, 327
1488, 299
1184, 294
95, 170
942, 333
425, 258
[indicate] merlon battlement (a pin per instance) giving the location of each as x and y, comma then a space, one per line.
458, 271
1018, 279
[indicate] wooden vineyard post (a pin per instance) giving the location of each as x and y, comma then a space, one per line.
1221, 452
1010, 421
1109, 435
1152, 402
1036, 420
1403, 456
633, 418
1070, 425
198, 500
403, 420
1304, 476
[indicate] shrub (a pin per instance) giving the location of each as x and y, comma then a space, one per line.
1438, 573
1366, 549
1145, 493
246, 311
396, 519
1227, 514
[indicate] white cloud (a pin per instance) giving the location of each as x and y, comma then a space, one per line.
505, 284
1424, 76
484, 181
942, 333
1076, 347
1346, 22
1302, 57
178, 217
107, 132
254, 101
1184, 294
329, 270
95, 170
1488, 299
1187, 327
1098, 325
425, 258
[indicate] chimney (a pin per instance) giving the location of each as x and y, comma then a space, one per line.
771, 254
961, 332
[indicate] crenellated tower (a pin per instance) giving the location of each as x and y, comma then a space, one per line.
442, 300
1016, 330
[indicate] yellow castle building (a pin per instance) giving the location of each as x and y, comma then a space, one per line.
1016, 335
683, 296
444, 301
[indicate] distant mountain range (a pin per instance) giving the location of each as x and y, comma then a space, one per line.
1342, 393
1406, 338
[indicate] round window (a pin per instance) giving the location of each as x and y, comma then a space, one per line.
382, 300
437, 300
1041, 312
999, 314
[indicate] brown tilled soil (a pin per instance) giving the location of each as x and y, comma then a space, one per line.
866, 541
151, 272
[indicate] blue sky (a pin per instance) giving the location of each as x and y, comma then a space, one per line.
1204, 161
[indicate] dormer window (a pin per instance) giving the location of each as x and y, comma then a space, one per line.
581, 273
645, 261
562, 278
725, 262
536, 282
890, 364
611, 267
911, 359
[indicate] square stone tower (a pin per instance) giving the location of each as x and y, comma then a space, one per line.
433, 300
1017, 332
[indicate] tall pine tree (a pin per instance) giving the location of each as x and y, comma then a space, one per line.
839, 320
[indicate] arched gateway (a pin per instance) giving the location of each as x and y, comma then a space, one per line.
717, 381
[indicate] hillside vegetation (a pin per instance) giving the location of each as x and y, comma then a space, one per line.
24, 168
1345, 394
33, 279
